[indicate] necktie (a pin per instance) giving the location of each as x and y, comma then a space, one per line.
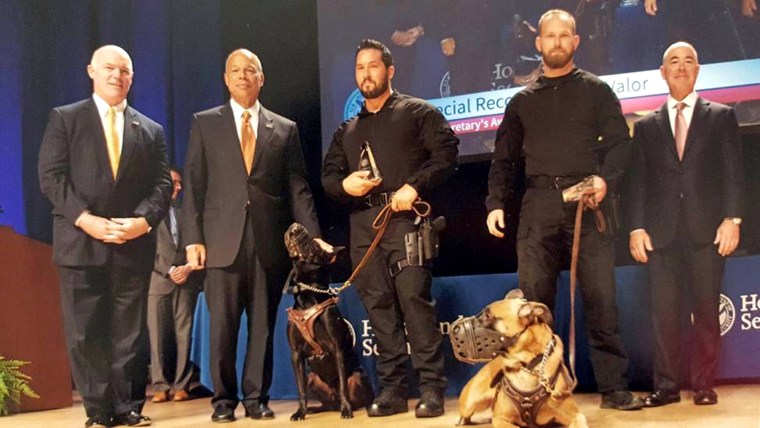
173, 225
247, 141
681, 130
112, 141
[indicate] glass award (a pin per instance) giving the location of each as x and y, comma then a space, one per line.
367, 163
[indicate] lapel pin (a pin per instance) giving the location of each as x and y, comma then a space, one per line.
135, 123
269, 125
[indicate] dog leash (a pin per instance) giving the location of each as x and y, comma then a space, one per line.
587, 201
420, 207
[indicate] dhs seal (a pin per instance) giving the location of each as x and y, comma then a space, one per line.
351, 331
726, 314
353, 105
445, 86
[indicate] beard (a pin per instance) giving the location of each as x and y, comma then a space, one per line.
378, 90
556, 61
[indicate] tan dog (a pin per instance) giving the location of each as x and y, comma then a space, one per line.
527, 384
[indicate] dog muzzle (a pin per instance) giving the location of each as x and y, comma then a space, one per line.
474, 343
301, 246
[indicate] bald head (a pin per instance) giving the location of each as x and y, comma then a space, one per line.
669, 51
111, 72
245, 53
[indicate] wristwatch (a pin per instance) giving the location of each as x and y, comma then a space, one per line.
736, 220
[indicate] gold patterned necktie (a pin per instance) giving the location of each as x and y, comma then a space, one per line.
112, 141
681, 131
247, 141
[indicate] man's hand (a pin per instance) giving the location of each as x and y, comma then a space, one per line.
324, 245
727, 237
329, 249
196, 256
404, 198
357, 184
749, 7
639, 243
99, 228
600, 189
179, 274
650, 6
128, 228
495, 223
406, 38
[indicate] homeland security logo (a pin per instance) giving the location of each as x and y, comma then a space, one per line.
726, 314
353, 105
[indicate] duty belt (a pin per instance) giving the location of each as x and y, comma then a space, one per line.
378, 199
559, 182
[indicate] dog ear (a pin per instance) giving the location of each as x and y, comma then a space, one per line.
534, 312
515, 294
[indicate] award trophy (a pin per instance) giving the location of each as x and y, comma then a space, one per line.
367, 163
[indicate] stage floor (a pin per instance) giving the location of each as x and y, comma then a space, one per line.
737, 408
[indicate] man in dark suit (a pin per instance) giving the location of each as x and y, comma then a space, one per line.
103, 166
686, 198
245, 182
173, 293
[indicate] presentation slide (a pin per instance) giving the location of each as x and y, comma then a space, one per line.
469, 57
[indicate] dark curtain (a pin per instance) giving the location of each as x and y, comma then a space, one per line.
178, 48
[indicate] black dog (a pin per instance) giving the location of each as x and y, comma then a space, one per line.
318, 333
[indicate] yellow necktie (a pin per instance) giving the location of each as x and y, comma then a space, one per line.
112, 141
247, 141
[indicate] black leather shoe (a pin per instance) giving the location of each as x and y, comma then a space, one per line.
132, 419
259, 411
430, 404
387, 403
621, 400
98, 422
661, 397
705, 397
223, 414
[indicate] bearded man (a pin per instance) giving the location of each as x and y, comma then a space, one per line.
415, 150
565, 127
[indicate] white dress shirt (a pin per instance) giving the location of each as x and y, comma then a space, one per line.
237, 113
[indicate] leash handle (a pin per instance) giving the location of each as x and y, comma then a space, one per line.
420, 207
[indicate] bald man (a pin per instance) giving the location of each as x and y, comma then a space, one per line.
103, 166
244, 184
687, 207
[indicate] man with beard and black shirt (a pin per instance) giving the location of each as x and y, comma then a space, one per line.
415, 150
566, 126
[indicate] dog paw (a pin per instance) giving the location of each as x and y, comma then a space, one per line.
299, 415
346, 413
463, 421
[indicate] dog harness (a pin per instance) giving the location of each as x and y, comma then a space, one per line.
530, 402
304, 320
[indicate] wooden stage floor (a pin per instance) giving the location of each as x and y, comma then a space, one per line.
738, 407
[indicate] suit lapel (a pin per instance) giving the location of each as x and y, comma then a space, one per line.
663, 122
264, 135
131, 126
698, 118
99, 135
229, 136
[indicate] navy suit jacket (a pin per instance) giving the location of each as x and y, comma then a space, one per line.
75, 174
219, 191
708, 182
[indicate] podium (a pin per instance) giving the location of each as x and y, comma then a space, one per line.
31, 324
